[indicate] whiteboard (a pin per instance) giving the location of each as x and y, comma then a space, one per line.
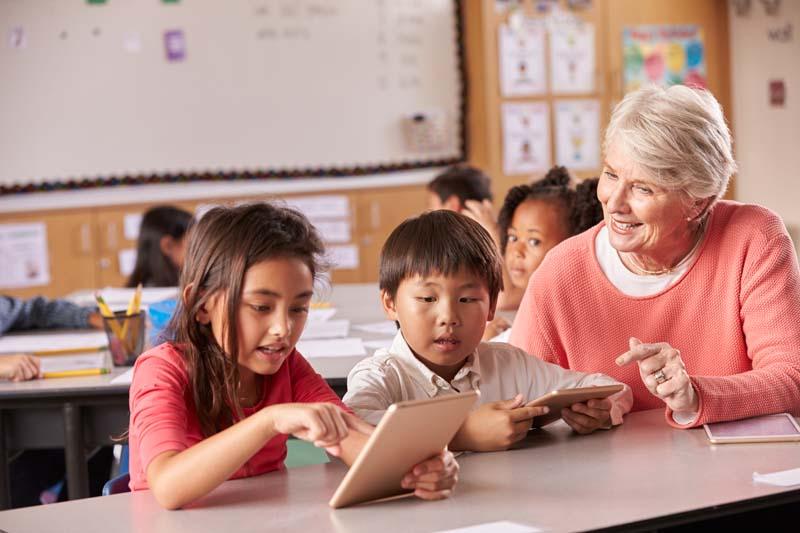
263, 87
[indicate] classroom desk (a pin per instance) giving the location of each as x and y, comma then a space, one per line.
70, 413
642, 475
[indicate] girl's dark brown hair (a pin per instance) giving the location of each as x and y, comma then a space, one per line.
222, 246
578, 204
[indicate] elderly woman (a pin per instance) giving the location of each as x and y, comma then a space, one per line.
692, 301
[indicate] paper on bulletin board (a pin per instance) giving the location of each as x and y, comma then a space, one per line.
663, 55
526, 138
522, 63
334, 231
131, 224
127, 261
343, 256
572, 57
578, 134
321, 206
26, 262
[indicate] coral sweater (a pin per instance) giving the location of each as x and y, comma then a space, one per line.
734, 316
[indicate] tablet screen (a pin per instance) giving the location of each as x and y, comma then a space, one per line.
761, 426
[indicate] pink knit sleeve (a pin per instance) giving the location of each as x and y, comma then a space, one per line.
770, 320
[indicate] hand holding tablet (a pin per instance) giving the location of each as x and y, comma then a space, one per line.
559, 399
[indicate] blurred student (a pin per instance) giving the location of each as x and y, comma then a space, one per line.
455, 186
160, 248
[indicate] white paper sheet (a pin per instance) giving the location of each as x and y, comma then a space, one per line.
343, 257
321, 206
578, 134
125, 377
334, 231
127, 261
495, 527
325, 329
386, 327
60, 363
52, 341
321, 315
25, 259
522, 65
348, 347
131, 224
784, 478
572, 57
526, 138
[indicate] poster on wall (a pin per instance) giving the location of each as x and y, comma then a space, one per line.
23, 248
522, 65
572, 54
663, 55
578, 134
526, 138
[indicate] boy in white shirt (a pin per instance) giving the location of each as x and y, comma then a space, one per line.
440, 274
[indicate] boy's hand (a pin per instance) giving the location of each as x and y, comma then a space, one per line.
496, 425
20, 367
434, 478
584, 418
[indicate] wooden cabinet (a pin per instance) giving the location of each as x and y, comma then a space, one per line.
85, 244
72, 249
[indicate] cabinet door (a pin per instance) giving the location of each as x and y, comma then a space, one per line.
71, 249
381, 210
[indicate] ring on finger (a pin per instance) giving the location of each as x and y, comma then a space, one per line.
660, 376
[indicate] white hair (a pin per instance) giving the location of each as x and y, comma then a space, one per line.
678, 136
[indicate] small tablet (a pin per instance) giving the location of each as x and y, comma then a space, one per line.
558, 399
768, 428
408, 433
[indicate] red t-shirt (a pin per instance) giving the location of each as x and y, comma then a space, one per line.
163, 416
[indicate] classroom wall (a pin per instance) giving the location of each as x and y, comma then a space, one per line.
764, 48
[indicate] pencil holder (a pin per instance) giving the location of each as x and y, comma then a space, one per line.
125, 337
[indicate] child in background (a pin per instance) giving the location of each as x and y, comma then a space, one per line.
440, 274
38, 313
220, 401
455, 186
160, 248
533, 219
32, 472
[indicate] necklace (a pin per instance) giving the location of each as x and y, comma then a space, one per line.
641, 271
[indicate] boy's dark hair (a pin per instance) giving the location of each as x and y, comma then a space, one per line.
222, 246
463, 181
440, 242
153, 268
578, 204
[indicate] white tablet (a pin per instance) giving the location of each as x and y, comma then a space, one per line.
767, 428
408, 433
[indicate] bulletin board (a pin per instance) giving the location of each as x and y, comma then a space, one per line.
112, 92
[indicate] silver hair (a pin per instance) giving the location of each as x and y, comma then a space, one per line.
678, 136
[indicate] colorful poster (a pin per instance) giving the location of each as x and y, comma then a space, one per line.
175, 45
572, 57
26, 262
526, 138
663, 55
522, 66
578, 134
